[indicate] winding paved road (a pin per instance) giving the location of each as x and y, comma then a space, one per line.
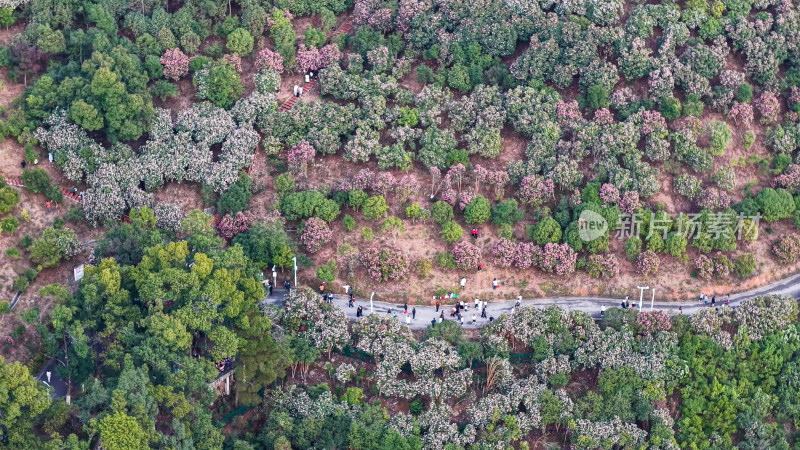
592, 305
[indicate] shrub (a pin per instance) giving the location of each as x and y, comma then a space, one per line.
12, 252
507, 212
366, 233
356, 198
229, 226
704, 266
559, 259
478, 210
546, 231
745, 265
9, 198
670, 108
284, 183
597, 97
442, 212
328, 272
719, 135
237, 197
240, 42
748, 139
506, 231
348, 222
775, 204
423, 267
416, 212
446, 260
675, 244
466, 256
9, 224
452, 232
375, 207
36, 180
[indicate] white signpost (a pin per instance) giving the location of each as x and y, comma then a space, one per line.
294, 261
641, 294
78, 272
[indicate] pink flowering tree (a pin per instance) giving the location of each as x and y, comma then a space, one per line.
704, 266
741, 114
629, 202
229, 226
234, 60
315, 234
559, 259
650, 322
787, 248
385, 264
176, 63
609, 194
768, 106
300, 155
536, 190
266, 59
789, 179
603, 266
467, 255
503, 252
316, 59
647, 263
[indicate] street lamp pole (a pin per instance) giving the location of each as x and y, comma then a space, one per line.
294, 261
652, 300
641, 294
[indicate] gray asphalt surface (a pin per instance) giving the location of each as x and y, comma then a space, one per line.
591, 305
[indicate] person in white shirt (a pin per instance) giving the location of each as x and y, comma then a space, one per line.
602, 310
463, 282
408, 320
477, 303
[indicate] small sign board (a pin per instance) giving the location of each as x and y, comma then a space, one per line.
78, 272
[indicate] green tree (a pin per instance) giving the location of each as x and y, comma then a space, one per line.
442, 212
328, 272
260, 361
237, 197
86, 115
478, 211
220, 84
22, 400
775, 204
9, 198
546, 231
240, 42
452, 232
507, 212
36, 180
375, 207
120, 431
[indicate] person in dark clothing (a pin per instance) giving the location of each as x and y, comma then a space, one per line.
437, 306
414, 313
491, 319
483, 313
433, 322
713, 300
24, 164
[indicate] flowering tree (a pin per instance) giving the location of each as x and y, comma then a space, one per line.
384, 264
789, 179
503, 252
467, 255
647, 263
650, 322
266, 59
315, 234
168, 216
559, 259
176, 63
787, 248
603, 266
609, 194
704, 266
306, 315
536, 190
300, 155
229, 226
768, 106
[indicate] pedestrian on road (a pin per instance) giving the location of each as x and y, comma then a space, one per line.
519, 300
495, 283
330, 297
269, 285
405, 308
441, 319
463, 283
394, 315
680, 310
477, 303
727, 299
705, 299
483, 313
287, 285
452, 312
414, 313
602, 310
480, 267
433, 322
437, 306
512, 310
473, 319
491, 319
713, 300
350, 303
408, 320
351, 292
322, 290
